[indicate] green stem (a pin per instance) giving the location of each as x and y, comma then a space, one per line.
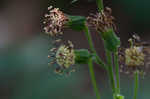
110, 70
92, 48
89, 37
117, 72
136, 82
91, 70
100, 5
100, 62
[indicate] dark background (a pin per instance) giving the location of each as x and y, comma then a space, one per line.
24, 73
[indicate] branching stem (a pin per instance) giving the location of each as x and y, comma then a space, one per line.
92, 48
91, 70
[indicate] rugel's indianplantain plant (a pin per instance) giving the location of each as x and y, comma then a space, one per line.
132, 60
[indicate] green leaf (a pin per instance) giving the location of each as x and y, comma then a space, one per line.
76, 22
82, 56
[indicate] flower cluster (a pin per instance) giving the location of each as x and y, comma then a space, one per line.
64, 56
134, 58
102, 21
104, 24
54, 21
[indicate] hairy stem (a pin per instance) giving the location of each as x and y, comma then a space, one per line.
91, 70
136, 84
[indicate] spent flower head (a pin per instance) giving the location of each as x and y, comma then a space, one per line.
64, 56
134, 58
102, 21
54, 21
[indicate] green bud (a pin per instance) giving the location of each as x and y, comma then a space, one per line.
111, 41
82, 56
76, 22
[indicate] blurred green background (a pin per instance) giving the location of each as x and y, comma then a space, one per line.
24, 70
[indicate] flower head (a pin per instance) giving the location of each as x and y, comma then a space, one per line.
64, 56
54, 21
102, 21
134, 58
